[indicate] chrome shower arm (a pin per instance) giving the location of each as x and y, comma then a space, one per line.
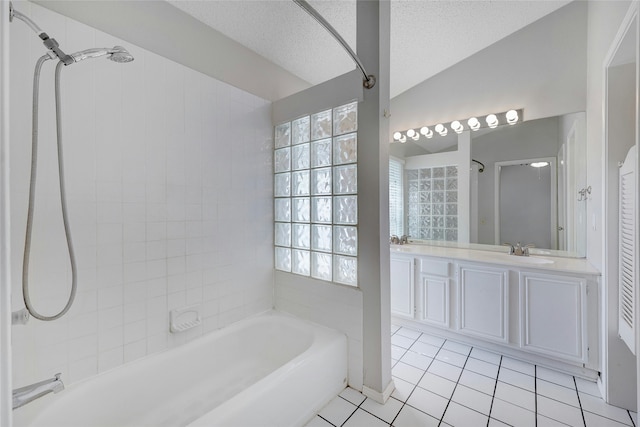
50, 43
15, 14
369, 80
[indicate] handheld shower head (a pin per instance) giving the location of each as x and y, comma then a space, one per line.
120, 55
116, 54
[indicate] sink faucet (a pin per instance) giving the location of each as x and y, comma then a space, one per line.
29, 393
395, 240
518, 249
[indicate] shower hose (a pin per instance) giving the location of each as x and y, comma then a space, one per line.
32, 188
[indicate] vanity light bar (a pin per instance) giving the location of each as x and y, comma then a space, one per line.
510, 117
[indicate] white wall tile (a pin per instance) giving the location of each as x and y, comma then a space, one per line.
134, 311
134, 212
135, 292
82, 369
110, 339
110, 359
156, 343
135, 331
110, 297
83, 325
135, 350
169, 202
109, 318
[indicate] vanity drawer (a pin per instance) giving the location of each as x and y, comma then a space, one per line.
434, 267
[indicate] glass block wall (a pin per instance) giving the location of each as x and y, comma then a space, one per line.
315, 191
433, 203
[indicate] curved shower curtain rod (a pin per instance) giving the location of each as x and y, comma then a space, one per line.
369, 80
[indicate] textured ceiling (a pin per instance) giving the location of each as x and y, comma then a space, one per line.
427, 36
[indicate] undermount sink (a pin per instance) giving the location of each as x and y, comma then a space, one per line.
526, 259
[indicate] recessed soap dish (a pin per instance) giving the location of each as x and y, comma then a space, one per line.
183, 319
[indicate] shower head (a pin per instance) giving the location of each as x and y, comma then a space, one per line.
116, 54
120, 55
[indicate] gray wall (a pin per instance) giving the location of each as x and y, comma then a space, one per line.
528, 140
541, 68
525, 205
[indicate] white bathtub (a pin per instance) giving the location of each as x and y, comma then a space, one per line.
268, 370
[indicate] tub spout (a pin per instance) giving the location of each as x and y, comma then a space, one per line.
29, 393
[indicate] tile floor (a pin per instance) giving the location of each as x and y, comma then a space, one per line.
444, 383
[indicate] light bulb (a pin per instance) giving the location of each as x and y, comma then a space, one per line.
403, 139
441, 129
397, 136
426, 132
539, 164
512, 117
411, 133
474, 124
492, 121
457, 126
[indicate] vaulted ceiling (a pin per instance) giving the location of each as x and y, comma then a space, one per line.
427, 36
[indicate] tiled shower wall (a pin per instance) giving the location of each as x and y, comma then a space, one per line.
169, 182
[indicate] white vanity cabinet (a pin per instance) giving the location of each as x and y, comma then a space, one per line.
547, 314
483, 301
402, 286
434, 284
554, 317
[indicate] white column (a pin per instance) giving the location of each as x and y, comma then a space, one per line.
464, 187
373, 25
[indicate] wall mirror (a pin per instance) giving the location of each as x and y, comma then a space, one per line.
522, 183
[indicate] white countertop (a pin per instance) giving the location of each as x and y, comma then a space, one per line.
547, 263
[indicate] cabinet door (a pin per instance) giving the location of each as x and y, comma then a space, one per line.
434, 300
553, 315
402, 287
483, 302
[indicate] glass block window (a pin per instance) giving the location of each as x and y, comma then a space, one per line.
396, 199
316, 195
433, 203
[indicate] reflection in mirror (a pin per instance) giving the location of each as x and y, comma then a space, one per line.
466, 190
525, 199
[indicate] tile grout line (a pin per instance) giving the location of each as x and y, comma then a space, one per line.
405, 349
416, 385
535, 393
579, 401
457, 382
455, 386
318, 415
354, 411
495, 387
370, 413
